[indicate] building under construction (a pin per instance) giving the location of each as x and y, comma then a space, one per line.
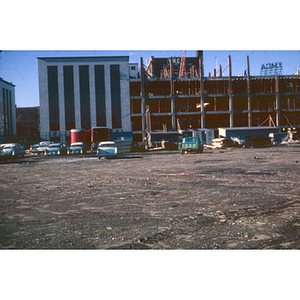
172, 94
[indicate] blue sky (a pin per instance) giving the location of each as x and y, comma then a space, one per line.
21, 68
215, 26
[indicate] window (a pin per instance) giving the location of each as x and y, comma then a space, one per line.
4, 110
69, 97
100, 95
53, 98
115, 96
84, 86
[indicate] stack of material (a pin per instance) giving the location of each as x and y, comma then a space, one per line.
291, 138
222, 143
237, 142
257, 141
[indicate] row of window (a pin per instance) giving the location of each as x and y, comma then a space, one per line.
215, 104
84, 95
7, 112
215, 121
215, 87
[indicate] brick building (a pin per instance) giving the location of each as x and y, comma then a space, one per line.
28, 122
85, 92
194, 101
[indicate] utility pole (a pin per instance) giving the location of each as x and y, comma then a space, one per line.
173, 110
230, 93
143, 102
249, 93
202, 92
277, 100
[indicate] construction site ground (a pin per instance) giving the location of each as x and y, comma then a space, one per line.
233, 198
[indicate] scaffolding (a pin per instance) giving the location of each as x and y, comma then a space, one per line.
212, 102
182, 67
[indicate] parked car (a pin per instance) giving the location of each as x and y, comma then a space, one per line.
190, 144
77, 148
56, 149
13, 150
3, 156
34, 148
42, 147
94, 146
107, 149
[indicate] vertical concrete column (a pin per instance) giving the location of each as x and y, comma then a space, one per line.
44, 100
77, 97
125, 96
143, 110
92, 95
220, 70
249, 93
202, 112
230, 93
277, 77
173, 110
201, 72
231, 110
143, 101
61, 103
108, 95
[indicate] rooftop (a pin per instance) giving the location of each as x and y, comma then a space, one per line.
86, 58
6, 82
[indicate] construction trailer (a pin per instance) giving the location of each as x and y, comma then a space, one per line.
200, 101
242, 132
123, 140
166, 140
80, 135
121, 137
205, 135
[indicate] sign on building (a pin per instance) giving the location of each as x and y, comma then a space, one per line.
271, 69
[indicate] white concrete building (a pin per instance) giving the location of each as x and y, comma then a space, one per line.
133, 70
8, 127
81, 93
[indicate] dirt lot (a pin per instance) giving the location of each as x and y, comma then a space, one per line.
224, 199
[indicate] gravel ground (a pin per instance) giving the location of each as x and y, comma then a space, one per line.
223, 199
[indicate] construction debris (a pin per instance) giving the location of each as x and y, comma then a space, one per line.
237, 142
220, 143
257, 141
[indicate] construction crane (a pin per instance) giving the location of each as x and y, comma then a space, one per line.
182, 67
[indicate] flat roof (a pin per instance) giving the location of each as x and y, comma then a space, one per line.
86, 58
249, 128
1, 79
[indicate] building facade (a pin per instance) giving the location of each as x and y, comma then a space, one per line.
159, 67
170, 102
8, 126
86, 92
83, 92
28, 122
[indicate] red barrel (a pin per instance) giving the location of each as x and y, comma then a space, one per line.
81, 135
